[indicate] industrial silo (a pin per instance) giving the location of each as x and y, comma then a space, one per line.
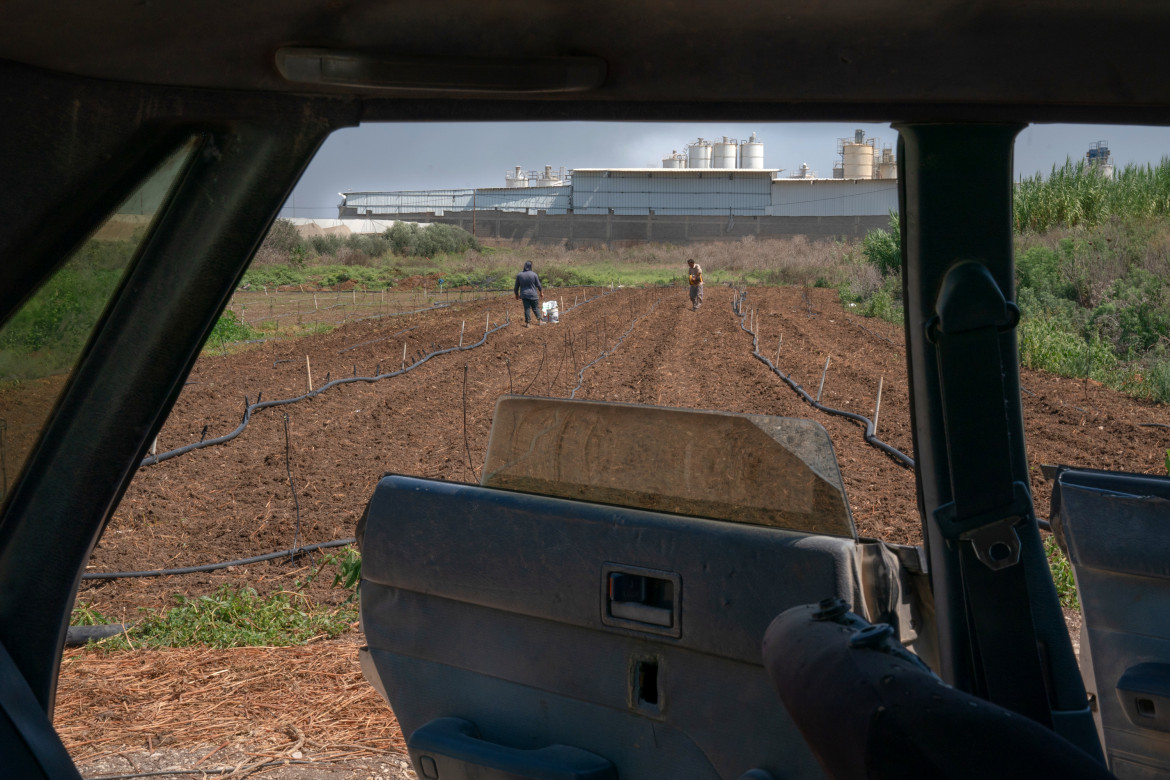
516, 179
726, 152
888, 166
699, 154
751, 154
674, 160
1100, 159
857, 156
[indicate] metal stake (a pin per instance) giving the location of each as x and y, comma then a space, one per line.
826, 371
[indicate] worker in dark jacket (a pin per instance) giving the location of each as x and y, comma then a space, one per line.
529, 291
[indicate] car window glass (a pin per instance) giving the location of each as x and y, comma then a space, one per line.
41, 344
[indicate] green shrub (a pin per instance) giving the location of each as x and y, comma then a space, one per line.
230, 329
408, 239
1039, 269
883, 249
282, 237
373, 245
327, 244
1062, 576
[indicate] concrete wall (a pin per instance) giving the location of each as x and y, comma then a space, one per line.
577, 230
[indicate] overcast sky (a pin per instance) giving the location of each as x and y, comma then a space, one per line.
388, 157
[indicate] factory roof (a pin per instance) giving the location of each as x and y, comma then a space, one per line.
677, 171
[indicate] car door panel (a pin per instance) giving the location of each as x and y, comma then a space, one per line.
487, 605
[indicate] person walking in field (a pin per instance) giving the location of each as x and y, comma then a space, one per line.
695, 277
529, 291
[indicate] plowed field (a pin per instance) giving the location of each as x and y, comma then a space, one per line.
235, 500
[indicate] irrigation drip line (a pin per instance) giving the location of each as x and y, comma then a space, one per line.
870, 437
291, 552
610, 351
249, 408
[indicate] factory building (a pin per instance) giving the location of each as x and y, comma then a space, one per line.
717, 190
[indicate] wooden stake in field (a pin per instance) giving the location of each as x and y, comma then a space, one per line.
309, 373
877, 409
487, 321
778, 343
404, 354
823, 373
461, 326
314, 301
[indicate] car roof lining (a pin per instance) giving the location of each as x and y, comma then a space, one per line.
951, 60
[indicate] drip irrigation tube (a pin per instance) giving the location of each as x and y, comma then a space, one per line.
608, 352
870, 437
120, 575
249, 408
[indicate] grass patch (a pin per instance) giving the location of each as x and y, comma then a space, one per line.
1062, 575
233, 616
237, 616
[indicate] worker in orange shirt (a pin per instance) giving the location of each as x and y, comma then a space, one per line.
695, 277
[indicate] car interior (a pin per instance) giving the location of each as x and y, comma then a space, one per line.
566, 618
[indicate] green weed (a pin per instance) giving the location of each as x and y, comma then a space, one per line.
1062, 575
236, 617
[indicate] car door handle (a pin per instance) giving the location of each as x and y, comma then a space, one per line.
1144, 693
640, 599
451, 749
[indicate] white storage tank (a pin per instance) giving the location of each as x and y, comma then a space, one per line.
858, 161
726, 152
674, 160
751, 154
888, 167
516, 179
699, 154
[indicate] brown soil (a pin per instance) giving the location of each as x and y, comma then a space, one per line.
235, 501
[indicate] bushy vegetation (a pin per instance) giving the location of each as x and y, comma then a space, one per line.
1092, 276
883, 248
47, 334
408, 239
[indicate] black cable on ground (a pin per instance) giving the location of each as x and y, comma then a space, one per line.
250, 408
870, 437
120, 575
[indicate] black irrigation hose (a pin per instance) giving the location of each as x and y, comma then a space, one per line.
249, 408
119, 575
608, 352
870, 437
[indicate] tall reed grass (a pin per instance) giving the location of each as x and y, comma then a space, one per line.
1077, 195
